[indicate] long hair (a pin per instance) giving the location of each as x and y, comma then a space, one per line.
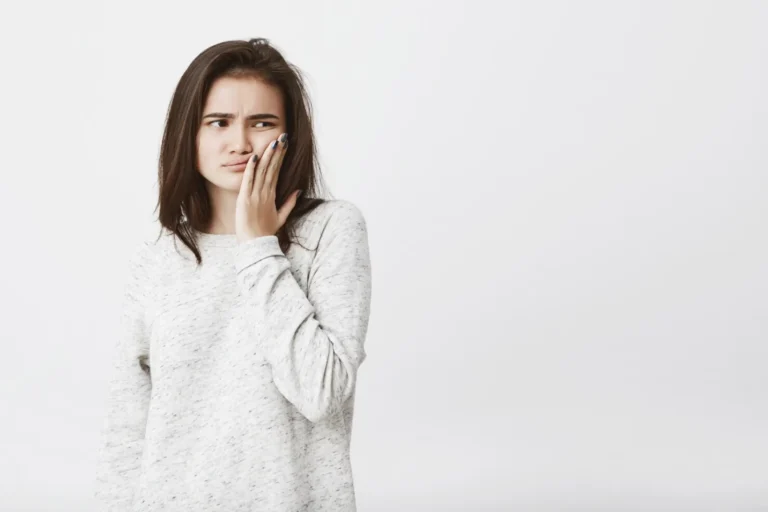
183, 202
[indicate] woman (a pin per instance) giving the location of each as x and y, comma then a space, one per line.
235, 373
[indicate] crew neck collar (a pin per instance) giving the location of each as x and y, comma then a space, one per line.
215, 239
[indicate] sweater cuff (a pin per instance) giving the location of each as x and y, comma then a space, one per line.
252, 251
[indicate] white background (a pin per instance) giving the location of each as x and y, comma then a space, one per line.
568, 224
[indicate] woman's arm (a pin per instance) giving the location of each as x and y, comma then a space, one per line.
313, 341
122, 441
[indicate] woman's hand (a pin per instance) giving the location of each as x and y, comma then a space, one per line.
256, 213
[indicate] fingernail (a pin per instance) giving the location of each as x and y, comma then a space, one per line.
283, 137
299, 194
255, 157
274, 145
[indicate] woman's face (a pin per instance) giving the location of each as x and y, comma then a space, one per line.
241, 117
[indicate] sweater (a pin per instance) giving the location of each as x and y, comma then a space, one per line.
233, 382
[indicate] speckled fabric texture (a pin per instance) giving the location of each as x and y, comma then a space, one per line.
234, 382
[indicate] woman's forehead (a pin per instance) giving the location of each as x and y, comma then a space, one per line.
243, 96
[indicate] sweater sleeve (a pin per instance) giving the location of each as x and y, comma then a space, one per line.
122, 441
314, 341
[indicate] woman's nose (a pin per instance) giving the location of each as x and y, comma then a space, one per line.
240, 141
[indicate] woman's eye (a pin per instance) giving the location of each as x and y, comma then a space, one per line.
255, 125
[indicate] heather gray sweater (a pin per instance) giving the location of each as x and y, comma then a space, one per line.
234, 382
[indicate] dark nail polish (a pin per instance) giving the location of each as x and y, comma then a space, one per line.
283, 138
274, 145
255, 157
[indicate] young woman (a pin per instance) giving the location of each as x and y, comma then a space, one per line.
244, 322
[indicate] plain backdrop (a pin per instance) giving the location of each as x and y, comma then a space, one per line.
568, 219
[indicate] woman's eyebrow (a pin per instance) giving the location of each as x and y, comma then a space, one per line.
224, 115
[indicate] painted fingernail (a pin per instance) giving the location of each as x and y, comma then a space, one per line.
274, 145
255, 157
283, 138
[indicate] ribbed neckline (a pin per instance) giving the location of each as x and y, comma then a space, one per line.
215, 240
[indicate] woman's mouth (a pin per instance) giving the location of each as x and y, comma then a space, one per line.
240, 166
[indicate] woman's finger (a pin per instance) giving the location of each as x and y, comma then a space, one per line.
266, 158
270, 180
247, 184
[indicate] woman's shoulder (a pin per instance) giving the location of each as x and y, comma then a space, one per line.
323, 222
328, 219
149, 251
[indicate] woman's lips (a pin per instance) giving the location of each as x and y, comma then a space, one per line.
237, 167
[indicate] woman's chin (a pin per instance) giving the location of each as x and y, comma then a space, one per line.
229, 182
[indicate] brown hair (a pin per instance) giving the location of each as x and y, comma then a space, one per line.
183, 202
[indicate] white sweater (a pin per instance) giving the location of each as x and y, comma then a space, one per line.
234, 382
